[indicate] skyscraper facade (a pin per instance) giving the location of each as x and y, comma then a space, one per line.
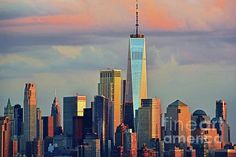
101, 121
78, 130
178, 124
136, 85
39, 125
221, 109
220, 122
110, 87
88, 121
129, 115
18, 120
130, 144
5, 135
149, 121
30, 112
9, 112
56, 113
120, 134
72, 106
48, 127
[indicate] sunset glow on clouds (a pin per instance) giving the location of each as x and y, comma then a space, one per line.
191, 48
181, 15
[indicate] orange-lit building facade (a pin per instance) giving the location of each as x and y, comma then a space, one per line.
178, 125
30, 104
110, 87
149, 121
5, 136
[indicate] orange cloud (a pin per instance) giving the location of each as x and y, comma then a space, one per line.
119, 15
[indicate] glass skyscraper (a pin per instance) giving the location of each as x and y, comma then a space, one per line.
136, 85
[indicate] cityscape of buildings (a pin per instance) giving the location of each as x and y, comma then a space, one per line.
121, 122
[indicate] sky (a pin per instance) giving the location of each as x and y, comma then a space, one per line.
62, 45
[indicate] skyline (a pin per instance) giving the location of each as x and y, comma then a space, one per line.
188, 56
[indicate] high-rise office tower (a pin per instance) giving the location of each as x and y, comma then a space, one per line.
88, 121
18, 120
56, 113
30, 111
39, 124
48, 126
136, 85
78, 133
110, 87
101, 121
178, 124
221, 109
220, 122
72, 106
149, 122
9, 112
5, 134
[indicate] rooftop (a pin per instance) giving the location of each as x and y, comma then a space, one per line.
178, 103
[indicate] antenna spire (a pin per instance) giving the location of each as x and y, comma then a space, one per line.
137, 18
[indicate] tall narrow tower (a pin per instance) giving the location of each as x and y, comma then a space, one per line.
110, 87
221, 109
136, 86
56, 113
30, 112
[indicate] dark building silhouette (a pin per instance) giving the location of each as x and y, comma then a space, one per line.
123, 100
33, 148
48, 141
221, 109
126, 142
101, 122
129, 115
220, 122
72, 106
39, 124
18, 120
78, 130
56, 113
91, 146
88, 121
120, 134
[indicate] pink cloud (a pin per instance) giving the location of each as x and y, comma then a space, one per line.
119, 15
